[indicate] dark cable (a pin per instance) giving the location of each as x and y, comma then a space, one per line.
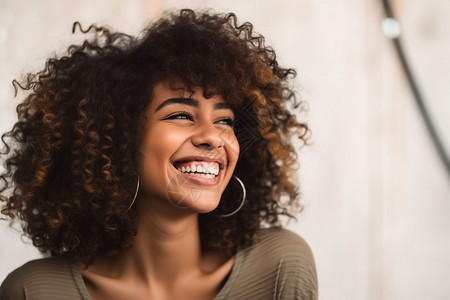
417, 95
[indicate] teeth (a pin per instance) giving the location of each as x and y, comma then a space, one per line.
206, 175
201, 175
205, 169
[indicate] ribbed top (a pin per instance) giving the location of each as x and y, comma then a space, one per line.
279, 265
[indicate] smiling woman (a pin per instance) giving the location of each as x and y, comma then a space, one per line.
154, 168
186, 140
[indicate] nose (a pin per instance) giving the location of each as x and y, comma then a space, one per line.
208, 136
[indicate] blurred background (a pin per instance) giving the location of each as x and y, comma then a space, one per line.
376, 195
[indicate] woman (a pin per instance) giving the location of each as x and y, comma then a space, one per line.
148, 168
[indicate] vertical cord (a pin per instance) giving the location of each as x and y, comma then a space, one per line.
414, 88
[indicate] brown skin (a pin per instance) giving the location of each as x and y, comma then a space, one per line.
166, 260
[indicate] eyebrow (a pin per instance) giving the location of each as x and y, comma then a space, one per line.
191, 102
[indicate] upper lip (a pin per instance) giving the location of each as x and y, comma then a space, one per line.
200, 158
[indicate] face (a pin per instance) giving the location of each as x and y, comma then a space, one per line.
189, 150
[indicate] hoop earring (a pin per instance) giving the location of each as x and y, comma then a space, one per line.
135, 196
244, 194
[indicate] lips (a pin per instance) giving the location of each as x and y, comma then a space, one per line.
200, 169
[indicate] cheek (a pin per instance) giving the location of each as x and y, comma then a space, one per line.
158, 144
157, 148
231, 146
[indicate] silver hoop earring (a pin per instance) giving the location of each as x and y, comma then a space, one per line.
135, 195
244, 194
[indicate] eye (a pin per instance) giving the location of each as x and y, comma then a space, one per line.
181, 115
227, 121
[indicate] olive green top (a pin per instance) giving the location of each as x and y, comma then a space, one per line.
280, 265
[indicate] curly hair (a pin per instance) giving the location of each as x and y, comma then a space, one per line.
71, 158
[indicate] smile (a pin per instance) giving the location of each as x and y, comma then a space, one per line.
199, 168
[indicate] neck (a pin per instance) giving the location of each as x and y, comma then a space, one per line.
165, 258
167, 245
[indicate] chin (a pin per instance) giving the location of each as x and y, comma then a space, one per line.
196, 201
209, 207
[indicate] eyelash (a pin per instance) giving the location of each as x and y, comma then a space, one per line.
229, 121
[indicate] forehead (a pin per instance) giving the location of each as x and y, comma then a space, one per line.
165, 90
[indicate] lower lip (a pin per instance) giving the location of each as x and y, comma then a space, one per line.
200, 180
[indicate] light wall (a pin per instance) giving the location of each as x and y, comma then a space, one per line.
377, 199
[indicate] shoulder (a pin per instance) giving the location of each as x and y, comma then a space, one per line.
282, 237
46, 277
282, 263
280, 244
